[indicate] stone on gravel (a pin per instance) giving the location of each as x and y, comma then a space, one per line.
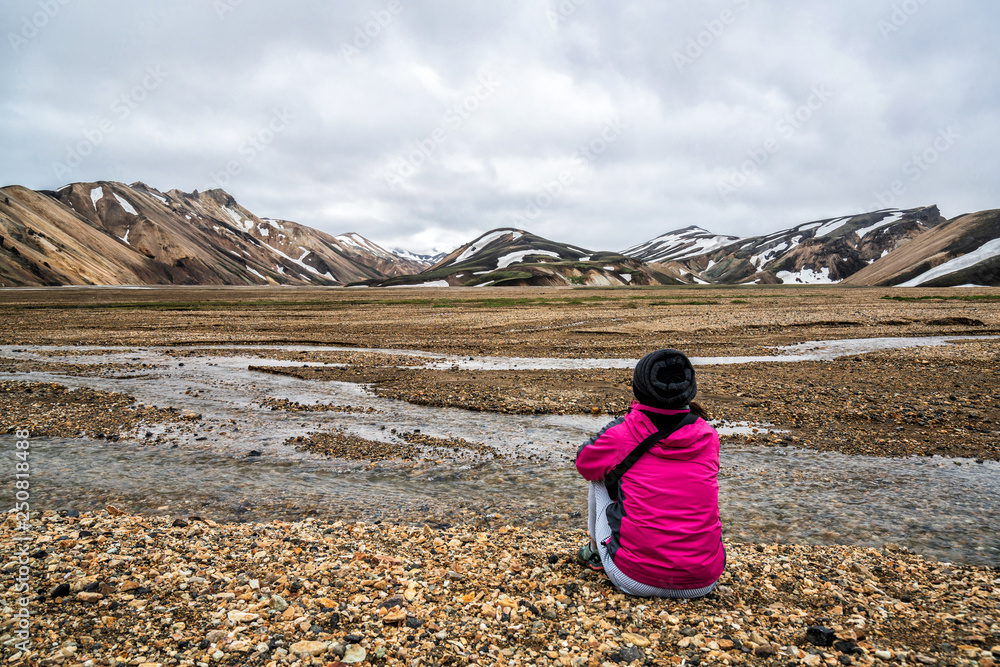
354, 654
309, 648
820, 636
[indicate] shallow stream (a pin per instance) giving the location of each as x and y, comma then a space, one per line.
944, 508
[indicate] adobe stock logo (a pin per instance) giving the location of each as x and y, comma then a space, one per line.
564, 9
367, 33
585, 155
900, 16
121, 110
33, 25
915, 167
699, 43
409, 163
251, 147
786, 128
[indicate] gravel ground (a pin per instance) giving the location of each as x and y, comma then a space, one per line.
110, 588
560, 322
113, 589
49, 409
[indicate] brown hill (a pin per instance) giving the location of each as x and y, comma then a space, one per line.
961, 251
114, 234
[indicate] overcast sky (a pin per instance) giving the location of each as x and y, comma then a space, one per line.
423, 123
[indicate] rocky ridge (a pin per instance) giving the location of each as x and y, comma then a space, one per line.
822, 251
516, 258
109, 233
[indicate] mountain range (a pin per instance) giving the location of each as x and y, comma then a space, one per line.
114, 234
109, 233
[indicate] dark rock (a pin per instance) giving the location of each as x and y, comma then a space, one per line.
254, 453
180, 523
847, 647
353, 639
413, 622
91, 587
820, 636
764, 651
627, 654
394, 601
73, 514
60, 591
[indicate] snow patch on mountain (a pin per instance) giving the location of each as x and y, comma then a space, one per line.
237, 219
480, 243
363, 244
832, 225
806, 277
986, 251
679, 245
125, 204
516, 257
862, 232
256, 274
432, 283
96, 195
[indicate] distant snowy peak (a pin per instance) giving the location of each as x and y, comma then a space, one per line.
496, 237
360, 243
501, 248
817, 252
679, 245
822, 251
429, 260
514, 257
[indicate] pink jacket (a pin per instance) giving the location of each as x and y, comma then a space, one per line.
668, 532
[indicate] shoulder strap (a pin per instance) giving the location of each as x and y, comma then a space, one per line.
612, 482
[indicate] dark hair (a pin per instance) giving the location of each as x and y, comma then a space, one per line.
698, 410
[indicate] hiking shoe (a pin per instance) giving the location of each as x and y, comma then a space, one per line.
589, 557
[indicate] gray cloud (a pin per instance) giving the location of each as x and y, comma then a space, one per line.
421, 124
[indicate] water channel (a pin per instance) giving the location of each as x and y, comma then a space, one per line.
945, 508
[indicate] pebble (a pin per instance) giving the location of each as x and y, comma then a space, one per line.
354, 654
820, 636
310, 648
364, 593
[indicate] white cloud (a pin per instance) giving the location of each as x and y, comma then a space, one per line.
891, 92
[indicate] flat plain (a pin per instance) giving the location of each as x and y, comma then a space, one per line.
113, 587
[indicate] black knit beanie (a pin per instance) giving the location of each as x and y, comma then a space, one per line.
664, 379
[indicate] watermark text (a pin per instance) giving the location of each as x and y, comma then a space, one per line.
22, 540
